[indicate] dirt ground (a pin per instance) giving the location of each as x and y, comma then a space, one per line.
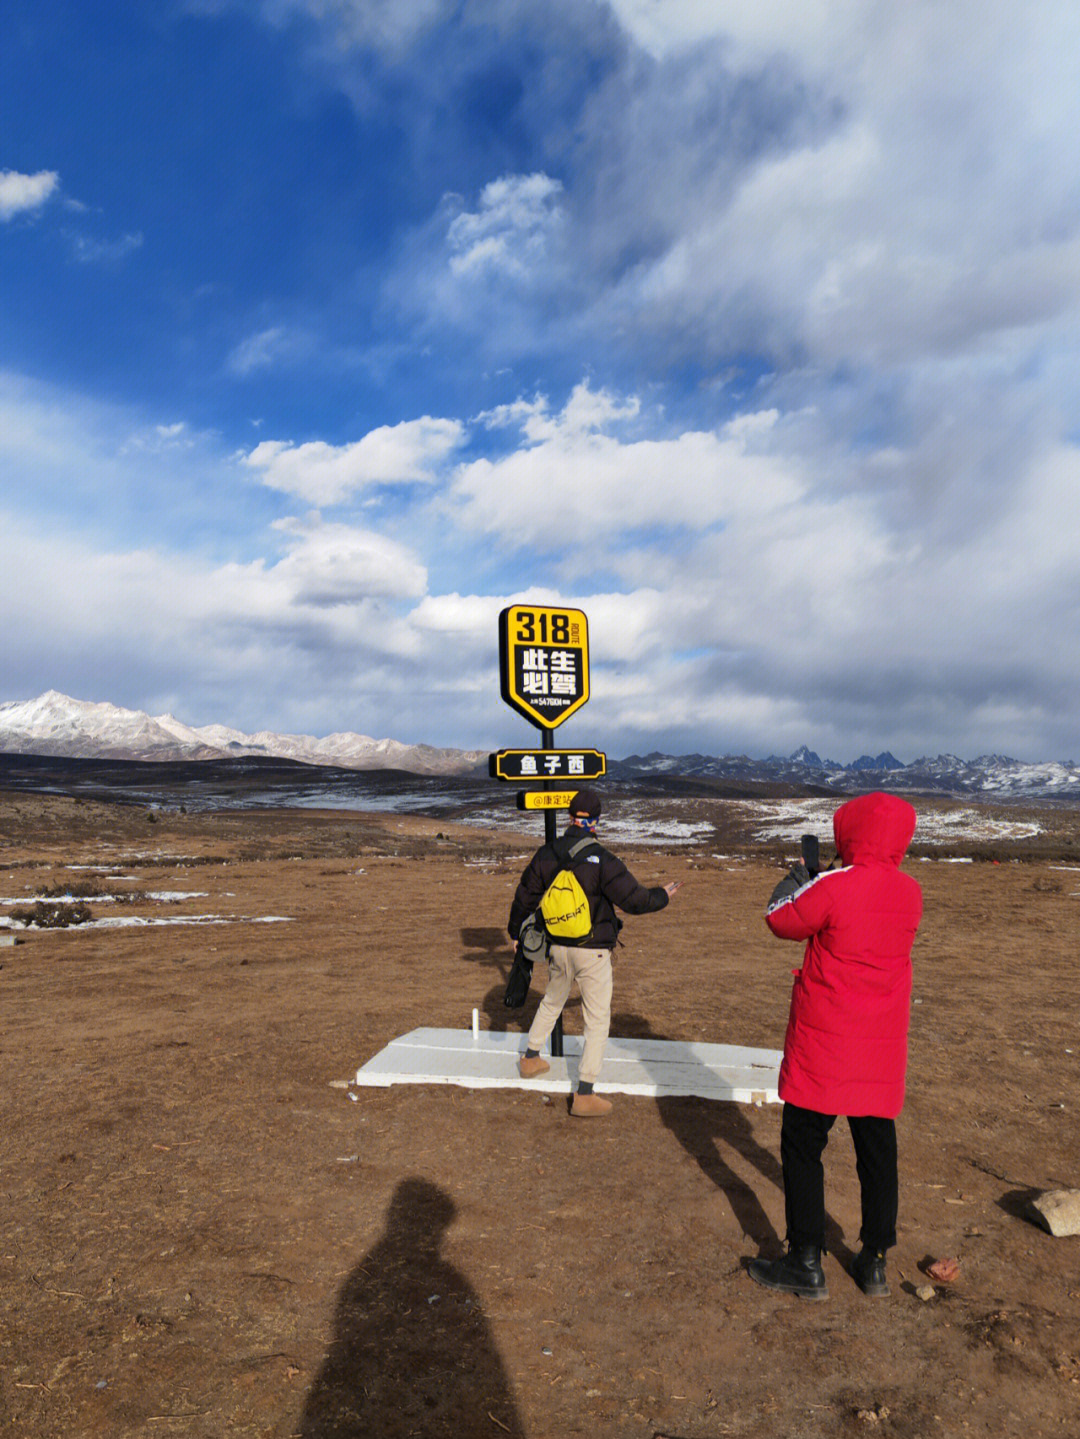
201, 1236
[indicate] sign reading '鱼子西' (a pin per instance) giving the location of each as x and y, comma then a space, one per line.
555, 764
544, 662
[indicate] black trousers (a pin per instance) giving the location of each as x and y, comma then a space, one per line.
803, 1136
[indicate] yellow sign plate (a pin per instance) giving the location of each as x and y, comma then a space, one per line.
570, 766
545, 799
544, 662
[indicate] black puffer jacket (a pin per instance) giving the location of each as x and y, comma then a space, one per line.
606, 881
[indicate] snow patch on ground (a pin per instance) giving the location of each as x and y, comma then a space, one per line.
109, 869
659, 831
788, 819
131, 921
630, 823
161, 896
135, 921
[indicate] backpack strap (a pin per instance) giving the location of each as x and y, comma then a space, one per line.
567, 855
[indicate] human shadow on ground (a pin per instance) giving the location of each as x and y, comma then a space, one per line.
708, 1129
493, 948
411, 1352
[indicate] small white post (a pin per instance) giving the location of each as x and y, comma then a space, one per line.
476, 1026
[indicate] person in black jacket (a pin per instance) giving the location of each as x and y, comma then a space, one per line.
607, 883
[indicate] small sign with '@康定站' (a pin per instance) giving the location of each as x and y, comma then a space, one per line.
544, 798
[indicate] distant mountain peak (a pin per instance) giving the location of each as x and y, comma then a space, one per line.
56, 724
806, 756
875, 763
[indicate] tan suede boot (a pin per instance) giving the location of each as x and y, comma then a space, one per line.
530, 1068
589, 1106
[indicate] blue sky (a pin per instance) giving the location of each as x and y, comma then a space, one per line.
330, 327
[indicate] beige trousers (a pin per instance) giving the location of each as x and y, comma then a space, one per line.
591, 968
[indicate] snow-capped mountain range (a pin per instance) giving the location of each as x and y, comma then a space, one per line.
56, 725
992, 776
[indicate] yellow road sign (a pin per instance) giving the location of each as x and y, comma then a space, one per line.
572, 766
544, 662
544, 798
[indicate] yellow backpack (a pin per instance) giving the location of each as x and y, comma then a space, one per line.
564, 907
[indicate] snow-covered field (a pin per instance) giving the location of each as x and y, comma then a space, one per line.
787, 819
133, 921
630, 822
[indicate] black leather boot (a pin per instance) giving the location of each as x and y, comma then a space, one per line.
799, 1272
868, 1272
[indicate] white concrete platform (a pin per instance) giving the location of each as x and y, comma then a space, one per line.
488, 1060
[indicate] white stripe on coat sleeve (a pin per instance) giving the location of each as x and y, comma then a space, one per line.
795, 893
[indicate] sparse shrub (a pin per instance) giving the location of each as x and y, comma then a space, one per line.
77, 889
48, 914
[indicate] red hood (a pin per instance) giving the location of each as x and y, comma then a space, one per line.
873, 828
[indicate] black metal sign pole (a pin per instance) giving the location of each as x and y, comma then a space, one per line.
547, 741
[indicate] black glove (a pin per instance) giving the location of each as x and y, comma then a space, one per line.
796, 877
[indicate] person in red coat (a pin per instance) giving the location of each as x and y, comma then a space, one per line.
845, 1051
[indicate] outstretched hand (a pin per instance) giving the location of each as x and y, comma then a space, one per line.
669, 889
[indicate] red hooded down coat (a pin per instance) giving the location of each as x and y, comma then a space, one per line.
846, 1046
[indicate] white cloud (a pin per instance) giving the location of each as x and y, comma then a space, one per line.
802, 617
20, 194
323, 613
90, 251
815, 31
586, 410
333, 564
924, 200
573, 485
511, 229
491, 273
845, 182
322, 474
263, 350
800, 599
749, 588
159, 439
463, 616
388, 25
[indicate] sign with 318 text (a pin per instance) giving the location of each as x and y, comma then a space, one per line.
544, 662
